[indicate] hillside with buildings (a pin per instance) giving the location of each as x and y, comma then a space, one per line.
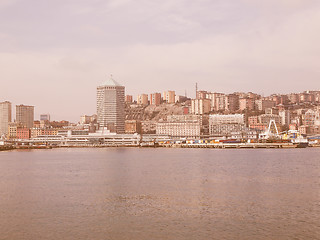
210, 115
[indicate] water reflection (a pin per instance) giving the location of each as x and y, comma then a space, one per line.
160, 194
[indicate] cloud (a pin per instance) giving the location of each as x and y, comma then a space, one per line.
223, 45
6, 3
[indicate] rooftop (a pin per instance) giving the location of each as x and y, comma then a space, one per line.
110, 82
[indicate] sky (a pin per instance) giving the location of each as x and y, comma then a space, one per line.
53, 54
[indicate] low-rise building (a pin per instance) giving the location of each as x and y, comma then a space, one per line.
23, 133
12, 130
35, 132
222, 125
216, 119
133, 126
311, 117
266, 118
189, 129
148, 127
262, 121
225, 129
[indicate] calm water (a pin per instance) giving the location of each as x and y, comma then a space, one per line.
139, 194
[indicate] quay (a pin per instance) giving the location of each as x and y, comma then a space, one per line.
153, 145
6, 147
237, 145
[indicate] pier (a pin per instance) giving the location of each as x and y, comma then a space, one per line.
232, 145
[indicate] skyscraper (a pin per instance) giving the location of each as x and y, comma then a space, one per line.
5, 117
110, 106
25, 115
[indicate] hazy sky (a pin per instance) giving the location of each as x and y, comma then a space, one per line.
53, 54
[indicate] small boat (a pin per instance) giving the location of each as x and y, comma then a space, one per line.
301, 142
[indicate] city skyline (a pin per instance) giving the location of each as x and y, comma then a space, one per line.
60, 51
38, 115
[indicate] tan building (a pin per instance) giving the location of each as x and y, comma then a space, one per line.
142, 99
169, 96
246, 104
202, 94
200, 106
253, 120
128, 99
180, 98
25, 115
220, 102
303, 129
37, 124
5, 117
311, 117
262, 104
148, 127
85, 119
155, 99
35, 132
232, 102
217, 101
274, 110
293, 98
184, 118
266, 118
133, 126
262, 121
12, 130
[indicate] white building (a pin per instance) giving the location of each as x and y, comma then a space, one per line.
222, 125
45, 117
216, 119
179, 129
285, 117
110, 106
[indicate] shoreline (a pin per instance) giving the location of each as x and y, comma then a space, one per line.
210, 146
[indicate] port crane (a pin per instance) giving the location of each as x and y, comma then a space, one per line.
268, 134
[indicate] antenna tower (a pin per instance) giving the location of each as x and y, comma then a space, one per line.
196, 90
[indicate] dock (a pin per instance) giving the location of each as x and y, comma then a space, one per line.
232, 145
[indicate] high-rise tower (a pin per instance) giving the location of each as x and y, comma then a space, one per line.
25, 115
5, 117
110, 106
